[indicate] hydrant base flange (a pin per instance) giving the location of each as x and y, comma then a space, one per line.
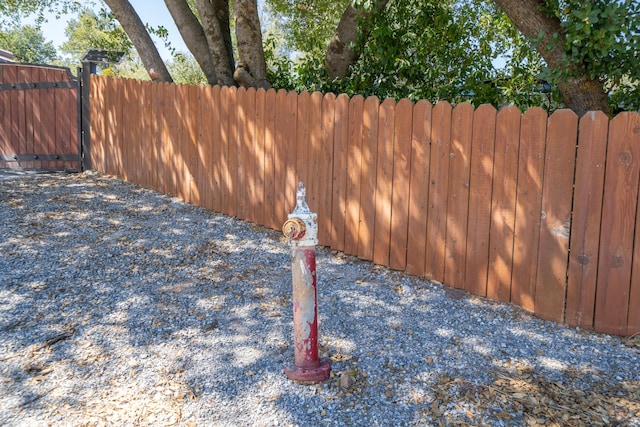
309, 375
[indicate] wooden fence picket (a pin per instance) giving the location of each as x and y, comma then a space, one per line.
340, 147
192, 141
324, 184
280, 165
234, 95
384, 182
632, 134
438, 191
5, 119
354, 174
619, 213
481, 182
303, 138
557, 190
97, 106
587, 216
419, 188
30, 137
156, 139
244, 152
400, 190
503, 204
205, 147
269, 159
528, 203
18, 126
368, 178
47, 103
458, 195
290, 183
250, 153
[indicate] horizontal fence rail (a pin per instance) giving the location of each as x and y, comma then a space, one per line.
540, 211
38, 117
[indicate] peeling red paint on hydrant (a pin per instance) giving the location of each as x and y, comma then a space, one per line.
301, 229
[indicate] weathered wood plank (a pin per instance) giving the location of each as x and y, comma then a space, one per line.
280, 165
368, 178
290, 178
203, 140
315, 174
354, 171
557, 194
419, 188
232, 156
269, 160
191, 162
503, 204
216, 160
29, 119
528, 204
401, 185
325, 169
481, 182
458, 195
249, 156
438, 191
619, 213
243, 153
258, 204
340, 147
384, 182
5, 121
303, 129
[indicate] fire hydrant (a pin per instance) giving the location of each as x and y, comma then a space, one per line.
302, 230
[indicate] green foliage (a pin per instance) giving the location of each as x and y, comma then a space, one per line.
185, 69
602, 41
130, 68
93, 31
28, 45
279, 67
11, 11
417, 49
307, 24
423, 50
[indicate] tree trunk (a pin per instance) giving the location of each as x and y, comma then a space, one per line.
252, 68
581, 94
224, 18
193, 35
221, 56
135, 29
340, 55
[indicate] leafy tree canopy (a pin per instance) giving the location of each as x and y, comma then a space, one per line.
27, 43
464, 50
458, 51
602, 40
93, 31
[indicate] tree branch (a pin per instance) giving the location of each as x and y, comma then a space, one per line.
193, 35
135, 29
340, 56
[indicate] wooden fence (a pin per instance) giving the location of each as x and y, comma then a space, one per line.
524, 208
38, 117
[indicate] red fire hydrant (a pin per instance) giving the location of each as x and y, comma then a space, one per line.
302, 230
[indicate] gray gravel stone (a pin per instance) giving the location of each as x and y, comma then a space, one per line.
121, 306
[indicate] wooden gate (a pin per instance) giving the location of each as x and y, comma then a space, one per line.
38, 118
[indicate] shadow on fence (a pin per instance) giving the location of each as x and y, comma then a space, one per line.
536, 210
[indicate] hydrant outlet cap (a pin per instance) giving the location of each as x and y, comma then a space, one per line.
294, 229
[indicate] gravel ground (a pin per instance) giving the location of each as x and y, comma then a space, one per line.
121, 306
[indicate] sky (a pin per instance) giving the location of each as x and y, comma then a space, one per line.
153, 13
